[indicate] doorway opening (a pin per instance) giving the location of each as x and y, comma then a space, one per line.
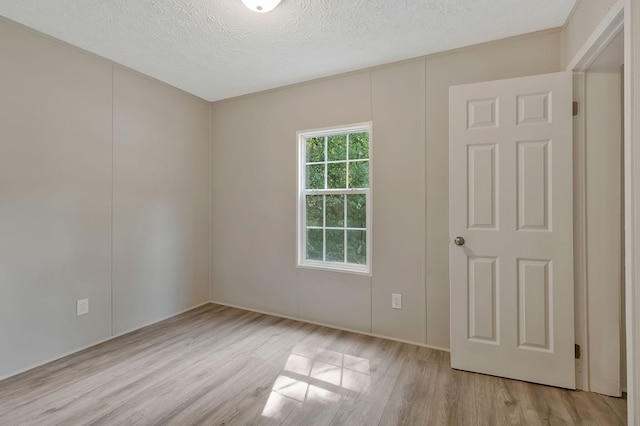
599, 219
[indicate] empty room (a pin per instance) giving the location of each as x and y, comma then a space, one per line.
298, 212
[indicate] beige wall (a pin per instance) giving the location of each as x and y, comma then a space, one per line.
104, 194
77, 132
254, 189
160, 200
253, 219
584, 20
104, 182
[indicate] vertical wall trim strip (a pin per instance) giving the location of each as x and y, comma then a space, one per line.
112, 181
372, 185
424, 252
210, 215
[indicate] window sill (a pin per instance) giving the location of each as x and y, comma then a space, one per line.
336, 267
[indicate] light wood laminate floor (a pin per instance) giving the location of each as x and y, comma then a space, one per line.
216, 365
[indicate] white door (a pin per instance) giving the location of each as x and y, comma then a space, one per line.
510, 192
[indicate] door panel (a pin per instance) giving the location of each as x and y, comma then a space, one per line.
511, 199
483, 301
533, 185
482, 186
534, 304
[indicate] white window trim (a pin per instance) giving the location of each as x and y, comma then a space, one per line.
302, 191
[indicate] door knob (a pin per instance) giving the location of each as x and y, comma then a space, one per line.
459, 241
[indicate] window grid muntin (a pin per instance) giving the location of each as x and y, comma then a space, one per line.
345, 228
347, 190
326, 161
357, 160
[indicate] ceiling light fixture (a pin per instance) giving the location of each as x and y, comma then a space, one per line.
261, 6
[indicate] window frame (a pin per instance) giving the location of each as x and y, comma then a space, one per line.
302, 262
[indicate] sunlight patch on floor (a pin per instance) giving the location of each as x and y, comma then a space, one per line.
316, 376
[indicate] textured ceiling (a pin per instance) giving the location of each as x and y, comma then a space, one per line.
218, 49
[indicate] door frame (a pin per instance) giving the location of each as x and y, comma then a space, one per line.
632, 210
626, 14
610, 27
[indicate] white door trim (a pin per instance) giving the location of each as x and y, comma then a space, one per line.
580, 236
632, 197
605, 32
610, 26
629, 10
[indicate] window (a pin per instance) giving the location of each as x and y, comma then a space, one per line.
334, 199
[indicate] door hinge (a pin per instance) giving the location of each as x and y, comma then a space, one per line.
577, 351
576, 107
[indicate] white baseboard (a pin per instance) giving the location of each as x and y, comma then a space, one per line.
115, 336
122, 333
332, 326
40, 364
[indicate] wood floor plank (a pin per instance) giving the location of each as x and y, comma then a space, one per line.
366, 407
415, 386
216, 365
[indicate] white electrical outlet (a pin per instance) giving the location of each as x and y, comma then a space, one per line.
82, 307
396, 301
